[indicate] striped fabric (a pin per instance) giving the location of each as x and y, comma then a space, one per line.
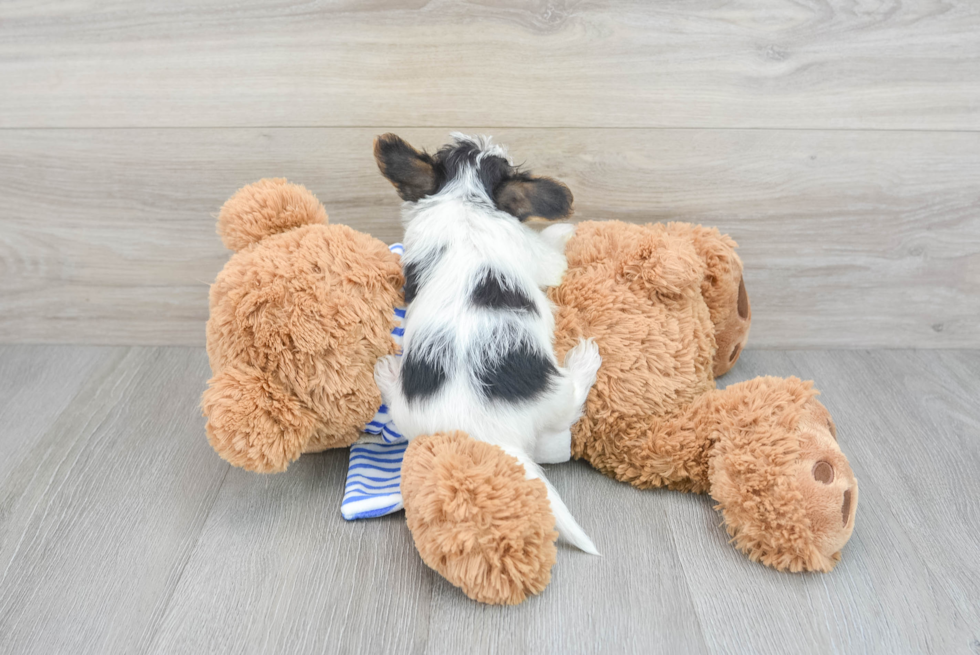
374, 474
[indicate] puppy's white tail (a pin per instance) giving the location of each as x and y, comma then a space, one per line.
566, 524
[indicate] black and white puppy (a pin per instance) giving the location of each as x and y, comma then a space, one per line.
479, 330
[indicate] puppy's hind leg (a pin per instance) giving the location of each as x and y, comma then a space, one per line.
553, 447
554, 444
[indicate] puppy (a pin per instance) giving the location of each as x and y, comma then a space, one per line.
479, 330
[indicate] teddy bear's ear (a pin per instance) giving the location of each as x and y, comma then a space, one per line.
663, 264
269, 206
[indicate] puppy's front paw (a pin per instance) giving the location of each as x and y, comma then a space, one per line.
386, 376
583, 362
558, 235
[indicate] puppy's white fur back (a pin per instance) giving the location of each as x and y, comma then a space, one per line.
452, 239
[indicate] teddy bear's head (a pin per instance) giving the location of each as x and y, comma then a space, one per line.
666, 303
299, 315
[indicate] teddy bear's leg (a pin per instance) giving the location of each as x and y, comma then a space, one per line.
764, 449
476, 519
723, 289
786, 490
253, 421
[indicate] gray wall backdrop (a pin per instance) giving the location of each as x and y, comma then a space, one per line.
838, 144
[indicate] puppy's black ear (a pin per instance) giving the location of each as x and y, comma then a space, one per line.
525, 196
413, 173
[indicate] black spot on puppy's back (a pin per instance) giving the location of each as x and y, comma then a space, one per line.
521, 374
422, 378
412, 272
426, 366
493, 293
416, 270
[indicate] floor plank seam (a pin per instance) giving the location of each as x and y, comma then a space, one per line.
687, 581
151, 643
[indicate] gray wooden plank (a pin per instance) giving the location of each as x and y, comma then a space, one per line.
277, 570
887, 594
118, 534
102, 512
634, 598
923, 454
850, 239
750, 63
36, 384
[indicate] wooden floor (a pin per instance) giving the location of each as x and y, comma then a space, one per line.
122, 532
838, 141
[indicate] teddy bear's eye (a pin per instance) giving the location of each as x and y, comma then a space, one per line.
316, 269
823, 472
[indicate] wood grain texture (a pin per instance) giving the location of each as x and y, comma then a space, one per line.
121, 532
36, 385
850, 239
277, 570
749, 63
903, 583
106, 504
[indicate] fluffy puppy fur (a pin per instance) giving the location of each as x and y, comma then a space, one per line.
479, 329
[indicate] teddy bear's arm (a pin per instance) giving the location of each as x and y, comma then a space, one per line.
253, 421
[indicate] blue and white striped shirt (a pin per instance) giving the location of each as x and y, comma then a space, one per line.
374, 474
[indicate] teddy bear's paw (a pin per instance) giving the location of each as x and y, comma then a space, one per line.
253, 422
789, 496
476, 519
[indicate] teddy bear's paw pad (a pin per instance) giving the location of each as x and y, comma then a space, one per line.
732, 330
476, 519
825, 478
253, 422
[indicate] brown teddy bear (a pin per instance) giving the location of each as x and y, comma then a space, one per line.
299, 316
302, 312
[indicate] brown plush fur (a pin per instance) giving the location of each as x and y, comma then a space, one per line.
268, 207
653, 298
302, 313
298, 319
476, 519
